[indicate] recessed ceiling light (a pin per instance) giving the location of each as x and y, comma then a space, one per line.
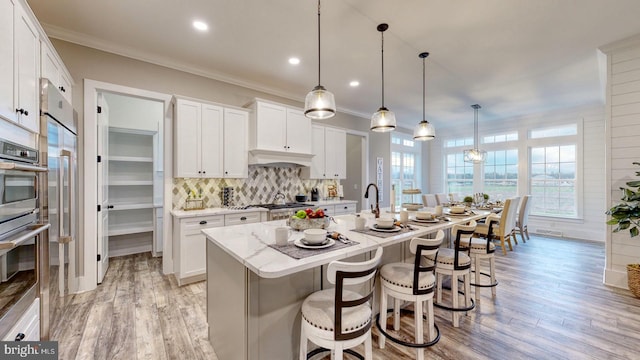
294, 61
200, 25
354, 83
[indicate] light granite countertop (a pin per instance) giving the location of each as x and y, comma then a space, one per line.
177, 213
249, 243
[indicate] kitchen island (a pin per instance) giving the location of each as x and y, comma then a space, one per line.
254, 292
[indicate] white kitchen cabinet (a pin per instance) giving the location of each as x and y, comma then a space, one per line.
236, 127
189, 244
344, 208
210, 140
28, 325
7, 16
329, 146
279, 128
52, 68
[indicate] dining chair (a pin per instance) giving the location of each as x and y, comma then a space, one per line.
415, 283
429, 200
442, 199
338, 319
481, 249
455, 263
502, 225
523, 217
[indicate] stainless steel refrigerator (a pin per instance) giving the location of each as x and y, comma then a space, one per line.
62, 253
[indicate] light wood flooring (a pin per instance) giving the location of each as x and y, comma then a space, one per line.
551, 304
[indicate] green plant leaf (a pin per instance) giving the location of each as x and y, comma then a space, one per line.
612, 222
635, 183
624, 224
634, 231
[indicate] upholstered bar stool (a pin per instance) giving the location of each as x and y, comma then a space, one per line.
481, 249
338, 319
415, 283
455, 262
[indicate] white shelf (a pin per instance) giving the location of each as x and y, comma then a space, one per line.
124, 229
130, 182
131, 206
131, 158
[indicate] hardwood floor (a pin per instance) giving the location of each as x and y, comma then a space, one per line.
551, 304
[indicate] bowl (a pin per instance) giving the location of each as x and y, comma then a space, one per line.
385, 223
301, 198
412, 206
315, 236
458, 209
424, 215
309, 223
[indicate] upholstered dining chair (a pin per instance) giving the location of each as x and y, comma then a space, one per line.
502, 225
429, 200
523, 217
414, 283
338, 319
442, 199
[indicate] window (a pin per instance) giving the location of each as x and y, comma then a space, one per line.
553, 180
565, 130
513, 136
459, 175
501, 174
459, 142
405, 166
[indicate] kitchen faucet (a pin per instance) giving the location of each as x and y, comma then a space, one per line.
375, 211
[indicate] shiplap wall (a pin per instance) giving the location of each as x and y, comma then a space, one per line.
623, 147
591, 224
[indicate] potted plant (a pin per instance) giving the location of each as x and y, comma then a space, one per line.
468, 200
626, 216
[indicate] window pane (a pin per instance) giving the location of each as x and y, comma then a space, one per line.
553, 182
537, 156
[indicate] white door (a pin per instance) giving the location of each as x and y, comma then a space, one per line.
188, 134
7, 108
298, 132
271, 129
236, 124
103, 188
211, 141
27, 50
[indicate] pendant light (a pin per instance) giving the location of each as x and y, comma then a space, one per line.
383, 120
475, 155
424, 131
319, 103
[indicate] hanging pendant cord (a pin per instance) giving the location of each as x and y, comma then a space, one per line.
382, 53
423, 91
318, 42
475, 129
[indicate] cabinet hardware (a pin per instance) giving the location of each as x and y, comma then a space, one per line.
203, 222
243, 218
199, 172
110, 207
204, 172
62, 89
99, 109
99, 257
22, 111
19, 337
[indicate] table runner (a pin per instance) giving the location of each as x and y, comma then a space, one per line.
300, 253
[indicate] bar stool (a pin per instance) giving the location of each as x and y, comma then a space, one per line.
338, 319
411, 282
454, 263
480, 250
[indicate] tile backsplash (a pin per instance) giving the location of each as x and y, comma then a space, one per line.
259, 188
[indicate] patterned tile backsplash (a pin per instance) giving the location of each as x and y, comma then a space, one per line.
259, 188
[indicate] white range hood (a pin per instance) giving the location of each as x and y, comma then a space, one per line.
279, 158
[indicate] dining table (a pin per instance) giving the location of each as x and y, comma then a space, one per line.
255, 288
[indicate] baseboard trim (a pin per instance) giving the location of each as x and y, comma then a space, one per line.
616, 278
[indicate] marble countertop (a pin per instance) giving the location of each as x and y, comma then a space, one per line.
329, 202
177, 213
249, 243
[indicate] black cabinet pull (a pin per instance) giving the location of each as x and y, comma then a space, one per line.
22, 111
346, 207
226, 172
62, 89
243, 218
203, 222
204, 172
199, 172
109, 206
19, 337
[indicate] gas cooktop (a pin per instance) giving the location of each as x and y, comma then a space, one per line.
281, 206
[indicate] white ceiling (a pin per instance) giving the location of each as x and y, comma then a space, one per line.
513, 57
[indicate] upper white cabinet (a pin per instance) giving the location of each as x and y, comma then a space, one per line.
7, 109
53, 70
279, 128
210, 140
329, 146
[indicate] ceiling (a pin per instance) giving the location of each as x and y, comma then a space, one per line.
513, 57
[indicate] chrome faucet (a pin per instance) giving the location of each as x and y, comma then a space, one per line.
375, 211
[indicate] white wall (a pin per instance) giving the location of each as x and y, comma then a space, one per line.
591, 223
622, 147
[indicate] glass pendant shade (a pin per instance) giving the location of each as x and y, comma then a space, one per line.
319, 104
474, 155
424, 131
383, 120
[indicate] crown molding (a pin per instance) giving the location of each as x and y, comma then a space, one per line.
628, 42
114, 48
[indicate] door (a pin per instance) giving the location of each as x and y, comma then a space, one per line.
317, 148
187, 134
7, 109
103, 188
298, 132
236, 124
271, 129
27, 51
211, 141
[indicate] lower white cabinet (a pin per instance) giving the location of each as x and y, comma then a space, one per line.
28, 326
189, 244
343, 209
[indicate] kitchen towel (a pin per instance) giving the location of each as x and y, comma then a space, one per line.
300, 253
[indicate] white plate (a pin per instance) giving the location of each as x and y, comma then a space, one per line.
300, 244
431, 221
466, 213
395, 228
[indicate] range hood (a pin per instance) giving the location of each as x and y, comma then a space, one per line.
279, 158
